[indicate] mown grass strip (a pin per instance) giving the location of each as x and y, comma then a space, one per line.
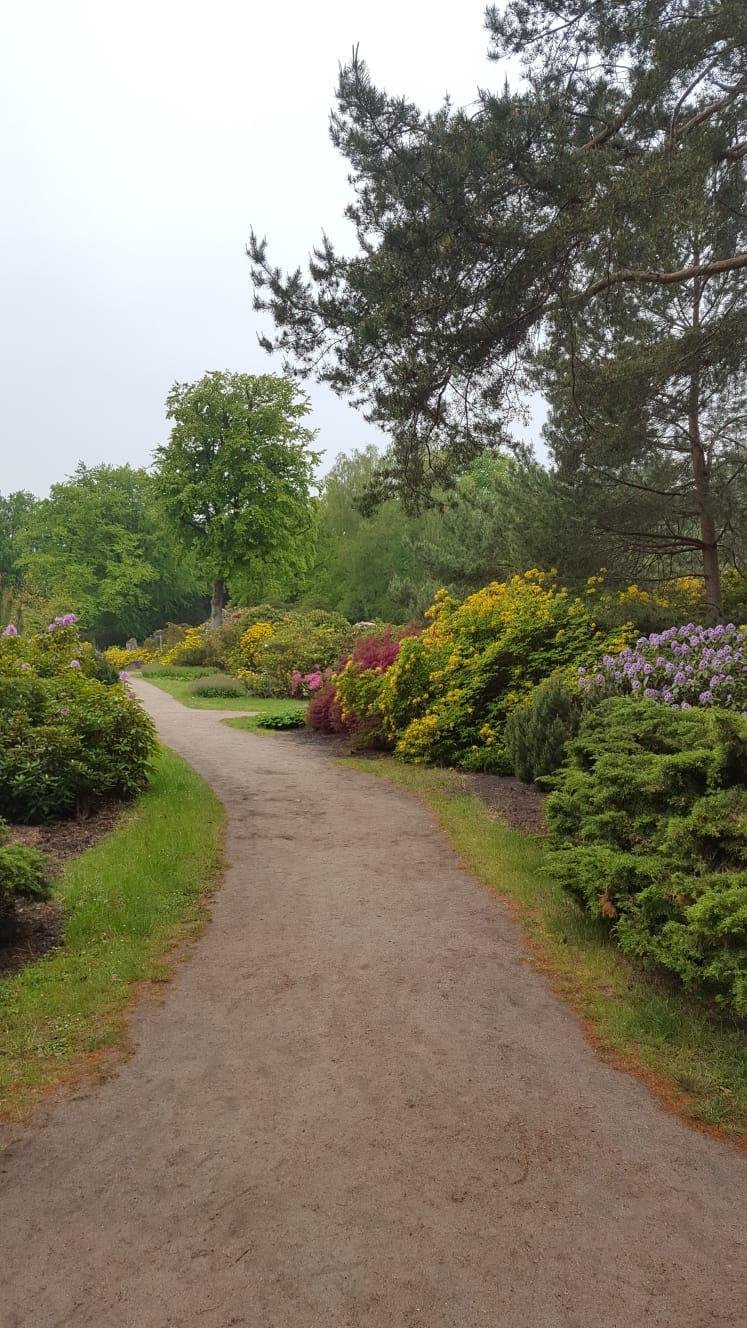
127, 901
262, 705
692, 1060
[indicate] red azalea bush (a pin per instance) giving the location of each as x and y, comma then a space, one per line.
323, 713
348, 701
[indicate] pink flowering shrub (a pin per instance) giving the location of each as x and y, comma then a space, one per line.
682, 667
305, 684
350, 703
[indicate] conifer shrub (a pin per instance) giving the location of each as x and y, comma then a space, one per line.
649, 821
540, 728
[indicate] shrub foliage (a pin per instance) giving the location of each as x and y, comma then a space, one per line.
650, 819
24, 874
70, 732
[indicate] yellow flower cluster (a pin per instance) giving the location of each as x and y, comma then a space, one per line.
189, 650
252, 642
121, 658
450, 689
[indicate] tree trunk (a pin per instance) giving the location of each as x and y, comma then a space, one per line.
702, 484
216, 604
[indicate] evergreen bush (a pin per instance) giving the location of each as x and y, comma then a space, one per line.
649, 819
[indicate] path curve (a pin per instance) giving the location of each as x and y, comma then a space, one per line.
359, 1107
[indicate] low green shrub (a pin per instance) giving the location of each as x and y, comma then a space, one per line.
282, 719
216, 684
649, 819
24, 874
539, 729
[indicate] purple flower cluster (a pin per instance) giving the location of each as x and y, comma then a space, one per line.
682, 666
67, 620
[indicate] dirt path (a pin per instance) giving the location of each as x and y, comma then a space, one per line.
358, 1107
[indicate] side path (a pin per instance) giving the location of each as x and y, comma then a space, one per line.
359, 1107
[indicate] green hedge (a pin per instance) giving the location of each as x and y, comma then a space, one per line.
649, 819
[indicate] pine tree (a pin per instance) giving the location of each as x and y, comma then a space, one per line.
610, 181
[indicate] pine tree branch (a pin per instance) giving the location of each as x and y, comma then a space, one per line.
647, 276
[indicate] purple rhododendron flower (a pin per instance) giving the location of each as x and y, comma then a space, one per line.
11, 630
124, 677
682, 666
74, 664
64, 710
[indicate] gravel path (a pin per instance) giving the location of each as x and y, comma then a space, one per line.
358, 1107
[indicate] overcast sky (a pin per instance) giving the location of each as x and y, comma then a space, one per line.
139, 141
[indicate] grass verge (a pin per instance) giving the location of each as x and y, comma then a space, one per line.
178, 688
694, 1062
128, 901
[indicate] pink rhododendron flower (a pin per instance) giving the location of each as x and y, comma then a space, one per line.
296, 680
64, 710
74, 663
313, 680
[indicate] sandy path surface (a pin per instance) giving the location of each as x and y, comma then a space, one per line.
358, 1107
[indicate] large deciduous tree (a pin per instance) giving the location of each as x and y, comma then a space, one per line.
235, 476
610, 180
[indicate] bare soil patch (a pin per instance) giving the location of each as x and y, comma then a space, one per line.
36, 927
520, 805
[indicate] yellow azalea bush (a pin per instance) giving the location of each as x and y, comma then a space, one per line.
679, 600
190, 649
269, 654
447, 695
121, 658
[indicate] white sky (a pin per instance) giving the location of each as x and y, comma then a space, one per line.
138, 142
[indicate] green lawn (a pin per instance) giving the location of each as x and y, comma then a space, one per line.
127, 902
691, 1059
262, 705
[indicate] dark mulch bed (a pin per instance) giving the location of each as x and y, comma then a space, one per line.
521, 805
36, 928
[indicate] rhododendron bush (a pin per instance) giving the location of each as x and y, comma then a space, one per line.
682, 666
442, 695
71, 732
